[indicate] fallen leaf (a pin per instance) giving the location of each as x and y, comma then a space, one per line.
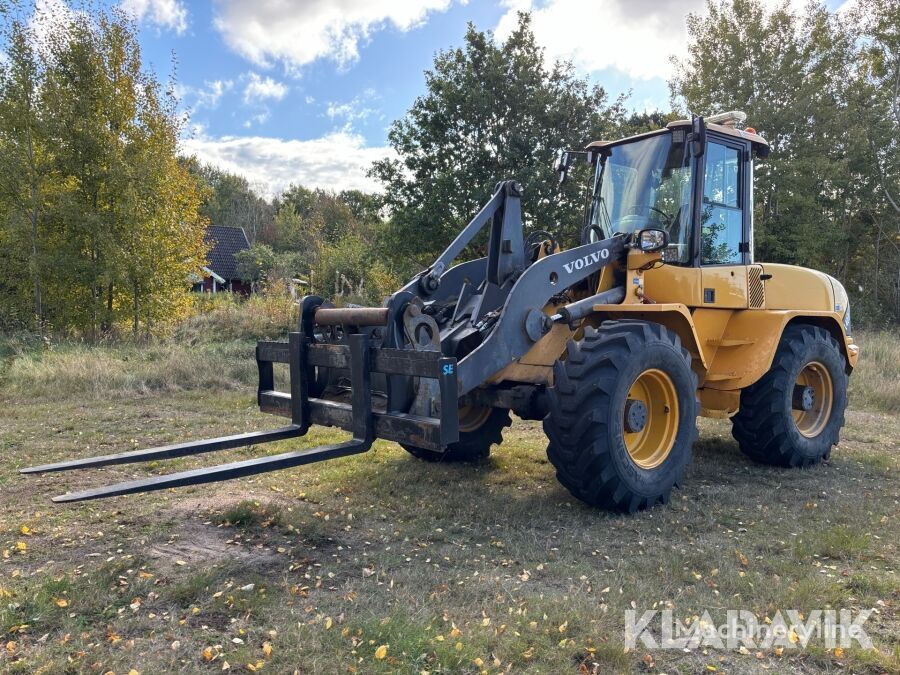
134, 672
11, 647
838, 652
21, 546
328, 623
563, 626
742, 558
381, 652
226, 665
779, 651
267, 649
61, 602
207, 654
25, 530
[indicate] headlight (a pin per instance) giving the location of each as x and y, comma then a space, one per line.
847, 318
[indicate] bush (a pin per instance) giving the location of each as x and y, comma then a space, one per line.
351, 271
269, 314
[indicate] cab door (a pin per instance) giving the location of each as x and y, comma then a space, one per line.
722, 236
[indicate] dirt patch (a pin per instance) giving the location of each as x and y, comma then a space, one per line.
197, 545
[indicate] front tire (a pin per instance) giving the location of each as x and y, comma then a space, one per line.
622, 417
479, 429
793, 415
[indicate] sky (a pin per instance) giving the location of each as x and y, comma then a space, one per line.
304, 91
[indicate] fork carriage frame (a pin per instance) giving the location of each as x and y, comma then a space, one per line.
490, 312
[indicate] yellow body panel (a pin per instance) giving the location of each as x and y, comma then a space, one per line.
671, 283
729, 286
732, 339
797, 288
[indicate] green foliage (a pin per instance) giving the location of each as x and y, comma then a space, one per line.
254, 263
825, 91
490, 112
232, 201
350, 272
99, 221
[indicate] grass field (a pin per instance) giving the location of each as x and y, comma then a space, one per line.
382, 563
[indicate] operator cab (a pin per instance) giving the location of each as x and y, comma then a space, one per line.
693, 181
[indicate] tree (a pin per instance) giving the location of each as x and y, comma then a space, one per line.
112, 215
807, 84
254, 264
23, 171
233, 202
490, 112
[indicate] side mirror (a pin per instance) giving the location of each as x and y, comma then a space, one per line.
698, 136
651, 240
561, 165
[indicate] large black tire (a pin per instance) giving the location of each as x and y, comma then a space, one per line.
586, 425
472, 446
768, 428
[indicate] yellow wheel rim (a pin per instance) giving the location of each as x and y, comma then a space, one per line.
651, 418
811, 418
471, 417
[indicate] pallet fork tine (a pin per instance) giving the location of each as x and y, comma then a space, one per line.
248, 467
172, 451
362, 428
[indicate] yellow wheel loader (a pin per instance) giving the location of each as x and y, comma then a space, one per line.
659, 314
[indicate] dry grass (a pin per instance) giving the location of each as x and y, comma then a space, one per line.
456, 569
876, 381
63, 371
223, 317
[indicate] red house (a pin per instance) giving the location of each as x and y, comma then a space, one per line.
221, 274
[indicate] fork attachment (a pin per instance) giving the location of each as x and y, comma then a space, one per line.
358, 355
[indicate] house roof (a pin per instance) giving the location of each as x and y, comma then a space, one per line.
224, 242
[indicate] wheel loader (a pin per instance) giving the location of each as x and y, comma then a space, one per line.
660, 314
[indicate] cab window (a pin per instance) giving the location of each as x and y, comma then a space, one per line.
722, 217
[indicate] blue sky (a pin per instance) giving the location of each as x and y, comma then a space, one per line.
304, 91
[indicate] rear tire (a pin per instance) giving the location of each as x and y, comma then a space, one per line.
607, 450
486, 429
768, 428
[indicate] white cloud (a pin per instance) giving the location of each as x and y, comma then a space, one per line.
262, 88
268, 31
260, 118
636, 37
336, 161
355, 109
207, 96
169, 14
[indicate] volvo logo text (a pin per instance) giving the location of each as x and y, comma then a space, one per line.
589, 259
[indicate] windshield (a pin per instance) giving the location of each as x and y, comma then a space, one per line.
642, 184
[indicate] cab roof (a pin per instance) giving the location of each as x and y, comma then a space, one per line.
756, 139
